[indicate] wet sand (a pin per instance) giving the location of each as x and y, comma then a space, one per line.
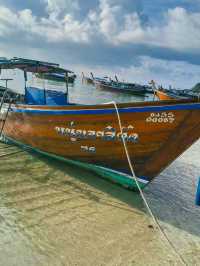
54, 214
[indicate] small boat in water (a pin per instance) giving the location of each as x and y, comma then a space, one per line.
92, 136
164, 94
120, 86
58, 77
173, 94
88, 80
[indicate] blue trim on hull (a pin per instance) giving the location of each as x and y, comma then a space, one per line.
194, 106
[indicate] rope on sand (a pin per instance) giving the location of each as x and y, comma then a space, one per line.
156, 222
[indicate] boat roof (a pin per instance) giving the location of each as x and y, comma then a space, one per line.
34, 66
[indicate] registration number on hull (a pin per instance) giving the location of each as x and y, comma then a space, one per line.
163, 117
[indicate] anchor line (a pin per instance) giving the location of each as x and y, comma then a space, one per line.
155, 220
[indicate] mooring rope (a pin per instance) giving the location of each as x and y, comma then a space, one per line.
157, 224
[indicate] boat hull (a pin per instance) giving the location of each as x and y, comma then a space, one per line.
163, 96
155, 134
131, 90
87, 81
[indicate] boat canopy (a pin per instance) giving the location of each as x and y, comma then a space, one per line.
33, 66
45, 70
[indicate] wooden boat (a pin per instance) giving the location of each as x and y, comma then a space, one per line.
109, 84
58, 77
156, 133
88, 80
173, 94
164, 94
196, 88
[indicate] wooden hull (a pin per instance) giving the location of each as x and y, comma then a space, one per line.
87, 81
132, 90
156, 134
57, 78
167, 95
163, 96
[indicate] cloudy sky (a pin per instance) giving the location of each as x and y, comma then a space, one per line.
139, 40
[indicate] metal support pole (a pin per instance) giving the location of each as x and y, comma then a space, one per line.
25, 80
45, 95
67, 86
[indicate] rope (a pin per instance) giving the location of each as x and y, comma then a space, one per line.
4, 121
157, 224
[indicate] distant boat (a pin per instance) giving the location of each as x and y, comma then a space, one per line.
8, 93
87, 80
164, 94
91, 136
173, 94
58, 77
196, 88
109, 84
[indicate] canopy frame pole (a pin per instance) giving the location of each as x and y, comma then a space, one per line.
45, 96
67, 86
25, 80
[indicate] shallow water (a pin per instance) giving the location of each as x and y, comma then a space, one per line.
55, 214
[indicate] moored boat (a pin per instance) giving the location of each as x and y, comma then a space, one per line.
109, 84
87, 80
174, 94
165, 95
156, 133
58, 77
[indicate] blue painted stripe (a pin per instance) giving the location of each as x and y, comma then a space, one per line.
193, 106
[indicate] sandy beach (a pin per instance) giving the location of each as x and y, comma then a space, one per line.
54, 214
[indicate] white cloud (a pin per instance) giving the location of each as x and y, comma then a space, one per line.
56, 8
179, 29
182, 29
108, 23
50, 29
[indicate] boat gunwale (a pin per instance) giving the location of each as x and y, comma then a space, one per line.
107, 108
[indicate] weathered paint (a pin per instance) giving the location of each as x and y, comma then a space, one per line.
156, 146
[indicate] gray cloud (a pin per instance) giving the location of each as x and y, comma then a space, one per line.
104, 33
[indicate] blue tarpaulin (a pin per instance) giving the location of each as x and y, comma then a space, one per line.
36, 96
55, 97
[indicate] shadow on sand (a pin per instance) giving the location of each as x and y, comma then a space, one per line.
170, 198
